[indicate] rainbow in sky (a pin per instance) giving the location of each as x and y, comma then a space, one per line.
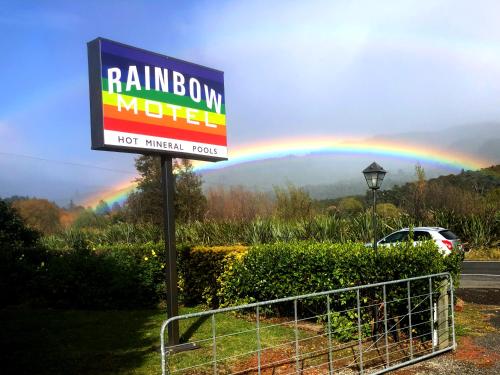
453, 161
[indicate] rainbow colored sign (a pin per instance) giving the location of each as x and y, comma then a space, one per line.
148, 103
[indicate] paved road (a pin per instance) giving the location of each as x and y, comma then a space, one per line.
480, 274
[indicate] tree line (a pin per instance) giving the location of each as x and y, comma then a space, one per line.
470, 192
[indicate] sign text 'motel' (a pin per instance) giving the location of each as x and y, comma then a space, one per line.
144, 102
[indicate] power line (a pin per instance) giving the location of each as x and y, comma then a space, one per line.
67, 163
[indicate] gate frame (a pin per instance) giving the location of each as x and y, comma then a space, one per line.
446, 284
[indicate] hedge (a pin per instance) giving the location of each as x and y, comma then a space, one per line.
116, 277
110, 276
274, 271
122, 276
200, 269
269, 272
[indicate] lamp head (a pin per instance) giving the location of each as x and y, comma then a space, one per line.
374, 175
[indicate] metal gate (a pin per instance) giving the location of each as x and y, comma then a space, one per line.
368, 329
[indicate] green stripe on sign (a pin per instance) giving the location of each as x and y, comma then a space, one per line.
167, 97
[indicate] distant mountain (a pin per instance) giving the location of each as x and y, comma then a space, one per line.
331, 175
481, 140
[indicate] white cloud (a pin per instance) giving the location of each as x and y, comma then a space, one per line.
323, 67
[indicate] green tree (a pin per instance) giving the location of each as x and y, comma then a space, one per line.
293, 203
88, 218
146, 204
387, 210
19, 255
350, 206
102, 208
13, 231
189, 201
419, 188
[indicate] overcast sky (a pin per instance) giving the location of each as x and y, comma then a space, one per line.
292, 68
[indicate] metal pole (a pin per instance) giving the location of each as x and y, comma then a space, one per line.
452, 314
330, 356
387, 359
409, 319
167, 185
431, 304
296, 328
360, 340
214, 345
258, 338
374, 219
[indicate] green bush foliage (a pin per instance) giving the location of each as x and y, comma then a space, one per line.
121, 276
13, 230
111, 276
268, 272
19, 256
286, 269
200, 269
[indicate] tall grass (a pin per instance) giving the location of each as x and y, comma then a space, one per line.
479, 231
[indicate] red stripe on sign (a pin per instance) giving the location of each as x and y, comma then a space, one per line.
163, 131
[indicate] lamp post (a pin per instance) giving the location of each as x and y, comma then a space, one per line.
374, 175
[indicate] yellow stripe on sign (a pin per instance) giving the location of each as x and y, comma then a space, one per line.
167, 110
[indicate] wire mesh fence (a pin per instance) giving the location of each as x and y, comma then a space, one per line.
363, 329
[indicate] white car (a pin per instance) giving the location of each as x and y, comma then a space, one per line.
446, 240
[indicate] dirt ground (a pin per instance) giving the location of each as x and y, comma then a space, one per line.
477, 319
478, 350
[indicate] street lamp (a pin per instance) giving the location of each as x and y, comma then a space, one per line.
374, 175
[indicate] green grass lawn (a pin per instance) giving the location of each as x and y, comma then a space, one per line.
46, 341
79, 342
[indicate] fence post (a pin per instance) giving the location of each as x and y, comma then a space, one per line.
214, 345
330, 359
296, 329
431, 304
257, 317
452, 286
410, 329
386, 339
442, 313
360, 339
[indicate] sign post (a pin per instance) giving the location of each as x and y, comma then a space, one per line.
168, 191
147, 103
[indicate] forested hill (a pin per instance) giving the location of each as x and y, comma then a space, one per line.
468, 190
480, 182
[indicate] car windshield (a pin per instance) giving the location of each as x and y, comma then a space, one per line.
448, 234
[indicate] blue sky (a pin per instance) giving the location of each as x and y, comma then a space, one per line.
336, 68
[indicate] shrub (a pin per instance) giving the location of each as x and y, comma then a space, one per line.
200, 269
19, 257
13, 230
268, 272
350, 206
83, 278
387, 210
